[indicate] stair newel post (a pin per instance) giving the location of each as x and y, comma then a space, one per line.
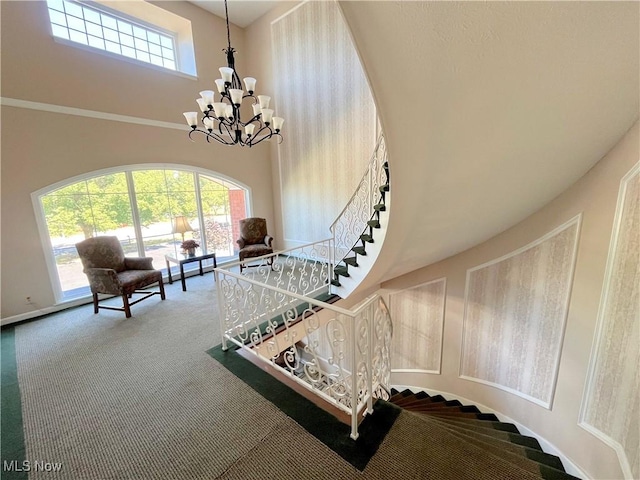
332, 255
222, 309
354, 381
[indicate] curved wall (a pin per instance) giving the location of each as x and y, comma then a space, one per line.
518, 303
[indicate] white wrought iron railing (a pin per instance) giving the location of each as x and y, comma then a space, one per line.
304, 270
340, 355
352, 220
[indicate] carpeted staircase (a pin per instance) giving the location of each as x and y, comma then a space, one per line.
367, 236
484, 430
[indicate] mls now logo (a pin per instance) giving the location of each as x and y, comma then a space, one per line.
28, 466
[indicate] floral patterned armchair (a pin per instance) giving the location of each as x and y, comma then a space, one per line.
254, 240
110, 272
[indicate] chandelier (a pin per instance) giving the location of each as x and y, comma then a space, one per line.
221, 119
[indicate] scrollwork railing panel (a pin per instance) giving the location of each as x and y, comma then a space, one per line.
340, 355
352, 221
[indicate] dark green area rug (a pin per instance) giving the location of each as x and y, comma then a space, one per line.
325, 427
12, 444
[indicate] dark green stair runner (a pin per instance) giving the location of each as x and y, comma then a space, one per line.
353, 261
343, 270
497, 439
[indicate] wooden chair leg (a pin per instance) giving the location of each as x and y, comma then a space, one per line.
127, 308
161, 285
95, 303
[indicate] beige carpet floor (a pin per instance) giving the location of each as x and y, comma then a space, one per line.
139, 398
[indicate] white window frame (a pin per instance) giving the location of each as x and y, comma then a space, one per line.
148, 16
43, 229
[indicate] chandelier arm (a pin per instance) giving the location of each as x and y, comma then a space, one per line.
191, 133
266, 137
208, 135
262, 128
255, 118
229, 132
217, 138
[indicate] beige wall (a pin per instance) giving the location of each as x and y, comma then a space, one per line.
42, 148
259, 56
310, 66
595, 197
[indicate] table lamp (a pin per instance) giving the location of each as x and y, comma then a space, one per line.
181, 225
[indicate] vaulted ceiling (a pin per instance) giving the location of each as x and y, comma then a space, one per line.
490, 109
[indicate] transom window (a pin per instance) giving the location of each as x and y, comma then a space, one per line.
96, 28
140, 207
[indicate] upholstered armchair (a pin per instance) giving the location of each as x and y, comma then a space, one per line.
110, 272
254, 240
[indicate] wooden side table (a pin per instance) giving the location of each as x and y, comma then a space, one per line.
184, 260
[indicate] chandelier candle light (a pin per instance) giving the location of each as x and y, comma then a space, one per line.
221, 120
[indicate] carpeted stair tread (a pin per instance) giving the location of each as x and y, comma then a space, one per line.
380, 207
366, 238
479, 416
359, 250
505, 444
516, 438
400, 394
374, 223
412, 397
353, 261
443, 407
416, 399
503, 426
483, 430
384, 188
437, 401
341, 270
412, 403
527, 467
516, 459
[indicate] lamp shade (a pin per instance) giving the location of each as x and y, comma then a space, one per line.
181, 225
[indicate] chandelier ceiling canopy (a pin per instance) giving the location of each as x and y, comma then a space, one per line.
221, 120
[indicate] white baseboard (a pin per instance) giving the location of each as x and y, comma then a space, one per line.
58, 307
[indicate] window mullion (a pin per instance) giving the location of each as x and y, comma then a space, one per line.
203, 233
134, 213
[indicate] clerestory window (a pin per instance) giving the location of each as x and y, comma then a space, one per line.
167, 43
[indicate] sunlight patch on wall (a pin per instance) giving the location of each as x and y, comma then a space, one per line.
331, 119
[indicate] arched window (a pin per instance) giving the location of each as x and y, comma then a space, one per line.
140, 207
